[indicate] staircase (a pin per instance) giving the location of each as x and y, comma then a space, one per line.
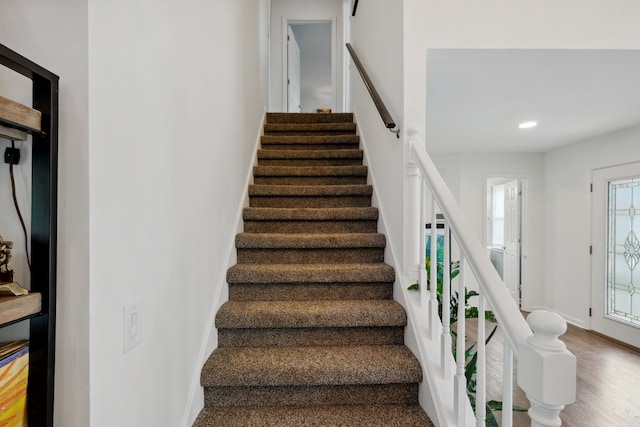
310, 335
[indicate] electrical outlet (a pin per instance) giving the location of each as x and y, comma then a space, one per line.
12, 156
132, 325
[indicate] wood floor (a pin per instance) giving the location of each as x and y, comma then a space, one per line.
608, 381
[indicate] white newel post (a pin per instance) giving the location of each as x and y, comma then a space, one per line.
546, 369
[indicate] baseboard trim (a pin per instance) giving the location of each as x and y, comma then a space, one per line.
613, 340
195, 400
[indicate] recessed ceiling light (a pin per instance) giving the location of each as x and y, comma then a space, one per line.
527, 125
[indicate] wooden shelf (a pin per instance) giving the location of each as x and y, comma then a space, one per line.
16, 308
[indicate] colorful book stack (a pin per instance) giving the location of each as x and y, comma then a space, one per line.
14, 371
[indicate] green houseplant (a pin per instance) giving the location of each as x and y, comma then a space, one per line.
471, 312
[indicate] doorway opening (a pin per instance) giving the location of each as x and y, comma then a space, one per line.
504, 230
310, 64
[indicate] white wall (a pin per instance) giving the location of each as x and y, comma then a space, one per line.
376, 36
54, 35
568, 217
264, 30
176, 107
466, 175
301, 10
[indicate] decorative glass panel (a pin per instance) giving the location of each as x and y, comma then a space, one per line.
623, 251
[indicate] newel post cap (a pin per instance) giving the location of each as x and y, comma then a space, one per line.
547, 327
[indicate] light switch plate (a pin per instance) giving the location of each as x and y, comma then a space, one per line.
132, 325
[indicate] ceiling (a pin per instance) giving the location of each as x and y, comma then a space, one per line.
476, 98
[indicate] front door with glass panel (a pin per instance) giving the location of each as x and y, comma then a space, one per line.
615, 286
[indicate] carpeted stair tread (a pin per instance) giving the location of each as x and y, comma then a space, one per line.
308, 118
310, 334
310, 196
324, 365
309, 171
310, 291
300, 155
310, 214
304, 241
310, 190
346, 153
298, 337
311, 140
310, 314
311, 273
309, 127
351, 394
315, 416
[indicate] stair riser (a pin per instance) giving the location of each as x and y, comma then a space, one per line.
315, 415
310, 162
309, 291
400, 394
309, 202
311, 146
352, 154
301, 129
310, 336
368, 226
297, 118
310, 256
310, 139
308, 133
310, 180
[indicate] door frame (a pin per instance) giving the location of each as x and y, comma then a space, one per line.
598, 321
286, 21
288, 73
523, 181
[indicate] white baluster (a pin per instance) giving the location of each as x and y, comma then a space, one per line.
460, 384
422, 268
413, 258
445, 355
546, 370
507, 386
481, 373
434, 320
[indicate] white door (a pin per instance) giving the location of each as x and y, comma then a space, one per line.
512, 239
615, 263
293, 72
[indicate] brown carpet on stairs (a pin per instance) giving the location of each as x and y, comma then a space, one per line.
310, 335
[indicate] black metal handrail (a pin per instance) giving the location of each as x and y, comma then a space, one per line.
377, 100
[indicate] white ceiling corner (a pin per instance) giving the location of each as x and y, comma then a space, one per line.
476, 98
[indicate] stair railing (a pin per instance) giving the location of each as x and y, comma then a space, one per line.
389, 123
546, 370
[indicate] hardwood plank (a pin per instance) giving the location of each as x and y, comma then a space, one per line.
12, 308
15, 134
607, 380
18, 113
